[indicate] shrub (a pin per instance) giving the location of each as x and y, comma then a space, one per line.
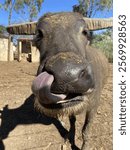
104, 42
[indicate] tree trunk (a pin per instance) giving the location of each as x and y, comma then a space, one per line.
9, 47
9, 22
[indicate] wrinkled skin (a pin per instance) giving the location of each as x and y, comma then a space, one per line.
71, 74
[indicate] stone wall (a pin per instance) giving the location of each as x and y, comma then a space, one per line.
27, 52
4, 50
35, 55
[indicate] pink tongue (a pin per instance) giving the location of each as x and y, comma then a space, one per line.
45, 80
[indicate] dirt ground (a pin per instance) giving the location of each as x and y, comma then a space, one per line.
22, 128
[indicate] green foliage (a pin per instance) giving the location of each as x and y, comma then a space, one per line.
104, 42
89, 7
30, 7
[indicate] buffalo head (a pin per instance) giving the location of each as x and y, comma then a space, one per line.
65, 75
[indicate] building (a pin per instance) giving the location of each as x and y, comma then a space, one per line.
5, 55
26, 51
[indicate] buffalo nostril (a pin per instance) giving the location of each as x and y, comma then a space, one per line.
83, 73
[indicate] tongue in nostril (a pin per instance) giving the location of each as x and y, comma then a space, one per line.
41, 87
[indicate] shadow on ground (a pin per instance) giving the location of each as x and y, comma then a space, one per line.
23, 115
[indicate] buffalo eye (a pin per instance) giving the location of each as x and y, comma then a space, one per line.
39, 35
87, 34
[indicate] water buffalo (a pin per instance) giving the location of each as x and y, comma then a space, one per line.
71, 74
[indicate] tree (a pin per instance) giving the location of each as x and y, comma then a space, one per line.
89, 7
32, 7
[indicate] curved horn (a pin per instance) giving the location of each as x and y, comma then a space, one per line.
97, 24
27, 28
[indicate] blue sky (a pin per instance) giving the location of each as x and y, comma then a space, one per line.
48, 6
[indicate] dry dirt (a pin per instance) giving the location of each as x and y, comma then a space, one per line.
22, 128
